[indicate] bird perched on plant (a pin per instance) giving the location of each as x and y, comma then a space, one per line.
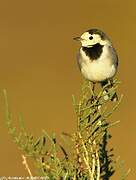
97, 59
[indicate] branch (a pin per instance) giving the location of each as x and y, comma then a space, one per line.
24, 162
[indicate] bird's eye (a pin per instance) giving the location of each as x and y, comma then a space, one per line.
91, 37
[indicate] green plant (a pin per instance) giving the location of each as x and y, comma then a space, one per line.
88, 156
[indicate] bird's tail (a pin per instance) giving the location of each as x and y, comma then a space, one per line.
108, 93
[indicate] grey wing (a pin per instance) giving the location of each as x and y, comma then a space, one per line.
79, 60
114, 55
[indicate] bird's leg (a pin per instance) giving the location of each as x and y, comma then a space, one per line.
92, 97
92, 87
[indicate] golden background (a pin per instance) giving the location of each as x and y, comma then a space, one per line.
38, 68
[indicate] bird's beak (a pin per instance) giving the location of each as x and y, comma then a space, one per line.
77, 38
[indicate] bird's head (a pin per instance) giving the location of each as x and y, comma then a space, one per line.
93, 37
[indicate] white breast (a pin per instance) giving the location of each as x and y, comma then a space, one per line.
100, 69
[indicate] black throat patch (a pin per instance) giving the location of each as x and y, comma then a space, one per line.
93, 52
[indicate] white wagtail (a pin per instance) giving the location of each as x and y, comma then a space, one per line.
97, 59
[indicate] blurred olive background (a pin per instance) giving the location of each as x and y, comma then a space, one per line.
38, 68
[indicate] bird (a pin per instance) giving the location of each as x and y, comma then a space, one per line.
97, 58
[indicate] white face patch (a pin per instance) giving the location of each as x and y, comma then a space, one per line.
86, 42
